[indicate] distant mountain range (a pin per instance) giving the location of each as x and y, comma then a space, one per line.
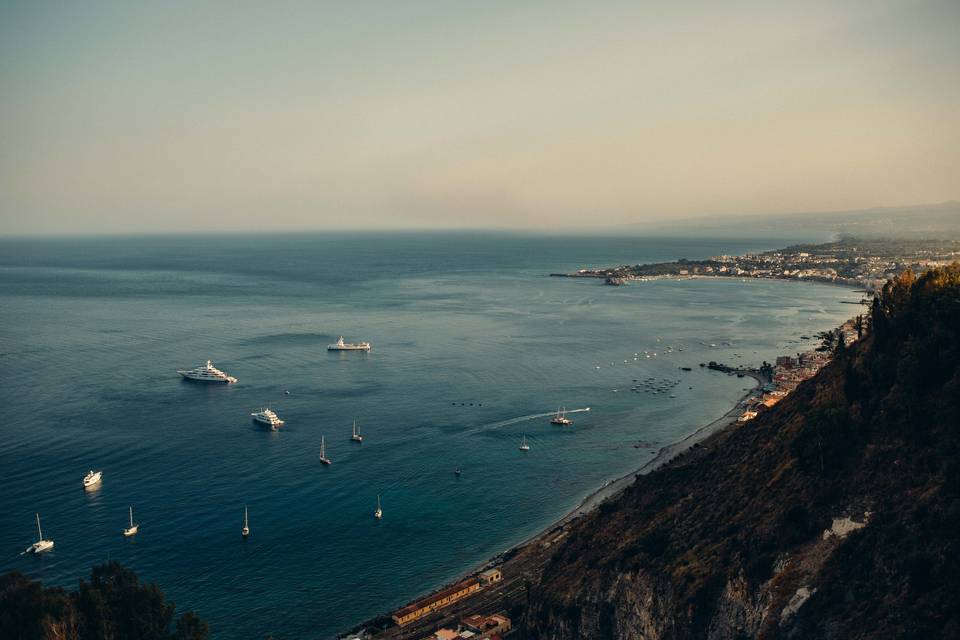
914, 221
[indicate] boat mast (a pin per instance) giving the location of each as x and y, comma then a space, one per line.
39, 532
245, 526
131, 517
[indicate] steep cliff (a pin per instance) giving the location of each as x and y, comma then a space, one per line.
834, 515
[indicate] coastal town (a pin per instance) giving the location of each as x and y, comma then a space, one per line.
481, 606
864, 264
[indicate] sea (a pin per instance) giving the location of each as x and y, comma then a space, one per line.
474, 348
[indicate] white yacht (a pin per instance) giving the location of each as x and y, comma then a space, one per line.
356, 437
523, 444
40, 545
561, 418
340, 345
379, 512
92, 478
207, 373
246, 525
267, 417
323, 452
133, 528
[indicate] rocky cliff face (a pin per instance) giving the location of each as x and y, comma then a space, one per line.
835, 515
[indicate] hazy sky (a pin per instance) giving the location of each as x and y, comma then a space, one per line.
173, 116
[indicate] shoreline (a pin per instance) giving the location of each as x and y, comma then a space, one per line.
612, 488
590, 502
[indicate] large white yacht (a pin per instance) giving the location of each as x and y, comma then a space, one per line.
340, 345
207, 373
92, 478
267, 417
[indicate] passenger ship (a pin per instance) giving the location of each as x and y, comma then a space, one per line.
340, 345
207, 373
268, 418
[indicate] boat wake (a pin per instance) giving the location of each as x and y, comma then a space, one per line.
532, 416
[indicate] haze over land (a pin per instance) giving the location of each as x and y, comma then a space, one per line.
176, 117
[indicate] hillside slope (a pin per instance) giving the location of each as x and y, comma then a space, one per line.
834, 515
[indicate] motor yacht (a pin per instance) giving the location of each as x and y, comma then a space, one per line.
267, 417
92, 478
206, 373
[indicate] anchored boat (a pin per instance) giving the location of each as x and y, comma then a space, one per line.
40, 545
340, 345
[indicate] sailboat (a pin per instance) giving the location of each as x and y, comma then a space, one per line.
356, 437
523, 444
246, 525
133, 528
323, 453
561, 417
40, 545
379, 512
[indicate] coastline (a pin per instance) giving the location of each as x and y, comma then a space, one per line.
612, 488
519, 553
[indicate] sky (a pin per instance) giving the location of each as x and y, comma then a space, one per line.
130, 117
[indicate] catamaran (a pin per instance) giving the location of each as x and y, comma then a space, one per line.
92, 478
561, 417
323, 453
340, 345
246, 525
356, 437
133, 528
40, 545
523, 444
379, 512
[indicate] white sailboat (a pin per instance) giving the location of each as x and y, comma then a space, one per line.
561, 417
356, 437
523, 444
379, 512
323, 452
246, 525
40, 545
133, 528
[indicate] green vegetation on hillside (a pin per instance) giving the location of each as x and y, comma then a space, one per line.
736, 538
113, 605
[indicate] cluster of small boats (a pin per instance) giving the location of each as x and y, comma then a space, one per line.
654, 386
92, 480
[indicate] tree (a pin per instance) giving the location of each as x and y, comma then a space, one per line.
113, 605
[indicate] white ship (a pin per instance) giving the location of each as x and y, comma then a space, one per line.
92, 478
207, 373
40, 545
379, 512
356, 437
246, 524
523, 444
267, 417
340, 345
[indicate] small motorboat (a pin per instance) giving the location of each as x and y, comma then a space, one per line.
92, 478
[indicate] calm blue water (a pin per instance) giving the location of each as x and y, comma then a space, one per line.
92, 330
